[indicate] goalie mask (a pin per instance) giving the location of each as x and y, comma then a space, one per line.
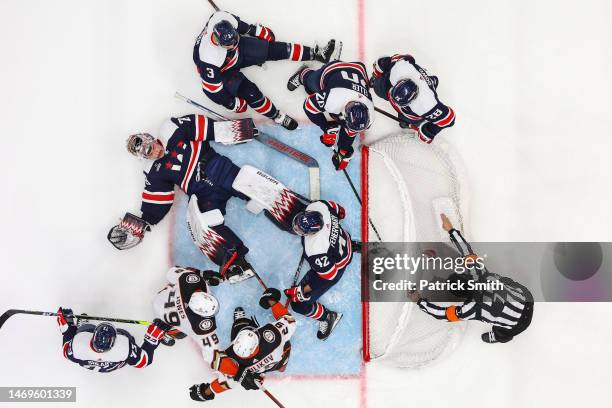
307, 222
203, 304
246, 343
144, 145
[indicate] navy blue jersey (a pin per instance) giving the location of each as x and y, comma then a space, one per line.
332, 87
77, 348
327, 251
186, 140
213, 61
426, 107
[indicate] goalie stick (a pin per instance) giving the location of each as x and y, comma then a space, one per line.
275, 144
11, 312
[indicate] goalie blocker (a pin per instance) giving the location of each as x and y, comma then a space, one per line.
183, 157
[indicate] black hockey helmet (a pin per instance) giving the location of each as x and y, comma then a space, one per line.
226, 34
357, 116
104, 336
404, 92
307, 222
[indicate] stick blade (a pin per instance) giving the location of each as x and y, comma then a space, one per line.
6, 315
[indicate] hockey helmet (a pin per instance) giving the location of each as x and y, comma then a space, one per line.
357, 116
226, 34
404, 92
246, 343
104, 336
307, 222
140, 144
203, 304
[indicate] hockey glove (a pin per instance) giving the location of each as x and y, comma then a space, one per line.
296, 294
251, 381
238, 105
329, 136
156, 331
197, 392
339, 209
65, 319
341, 159
269, 294
129, 233
262, 32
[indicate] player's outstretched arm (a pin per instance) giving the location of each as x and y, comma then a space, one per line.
67, 326
141, 357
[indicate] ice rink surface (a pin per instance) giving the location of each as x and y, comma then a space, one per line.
529, 81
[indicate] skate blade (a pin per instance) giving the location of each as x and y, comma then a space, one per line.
248, 274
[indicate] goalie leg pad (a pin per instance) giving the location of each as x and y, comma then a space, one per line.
209, 234
280, 203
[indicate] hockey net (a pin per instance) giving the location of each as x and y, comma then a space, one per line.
406, 185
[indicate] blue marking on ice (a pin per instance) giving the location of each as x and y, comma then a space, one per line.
275, 254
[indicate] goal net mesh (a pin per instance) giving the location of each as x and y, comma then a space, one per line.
409, 184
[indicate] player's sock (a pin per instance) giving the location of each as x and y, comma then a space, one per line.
264, 106
317, 312
291, 51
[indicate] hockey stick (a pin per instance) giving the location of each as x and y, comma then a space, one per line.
297, 274
387, 114
11, 312
212, 3
272, 397
348, 178
275, 144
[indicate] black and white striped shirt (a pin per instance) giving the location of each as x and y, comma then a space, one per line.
501, 307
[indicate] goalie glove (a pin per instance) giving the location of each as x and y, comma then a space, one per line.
235, 131
129, 232
262, 32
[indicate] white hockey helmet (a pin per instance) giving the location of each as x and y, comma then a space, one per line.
246, 343
204, 304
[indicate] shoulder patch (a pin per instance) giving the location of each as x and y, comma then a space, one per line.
269, 336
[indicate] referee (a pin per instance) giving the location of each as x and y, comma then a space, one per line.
508, 310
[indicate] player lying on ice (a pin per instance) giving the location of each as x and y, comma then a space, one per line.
182, 156
103, 348
339, 102
228, 44
329, 250
255, 350
187, 304
412, 93
508, 309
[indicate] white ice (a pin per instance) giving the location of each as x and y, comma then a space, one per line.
529, 81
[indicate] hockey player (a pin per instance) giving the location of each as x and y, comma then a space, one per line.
104, 348
328, 250
508, 309
339, 102
187, 304
412, 93
228, 44
183, 156
254, 350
